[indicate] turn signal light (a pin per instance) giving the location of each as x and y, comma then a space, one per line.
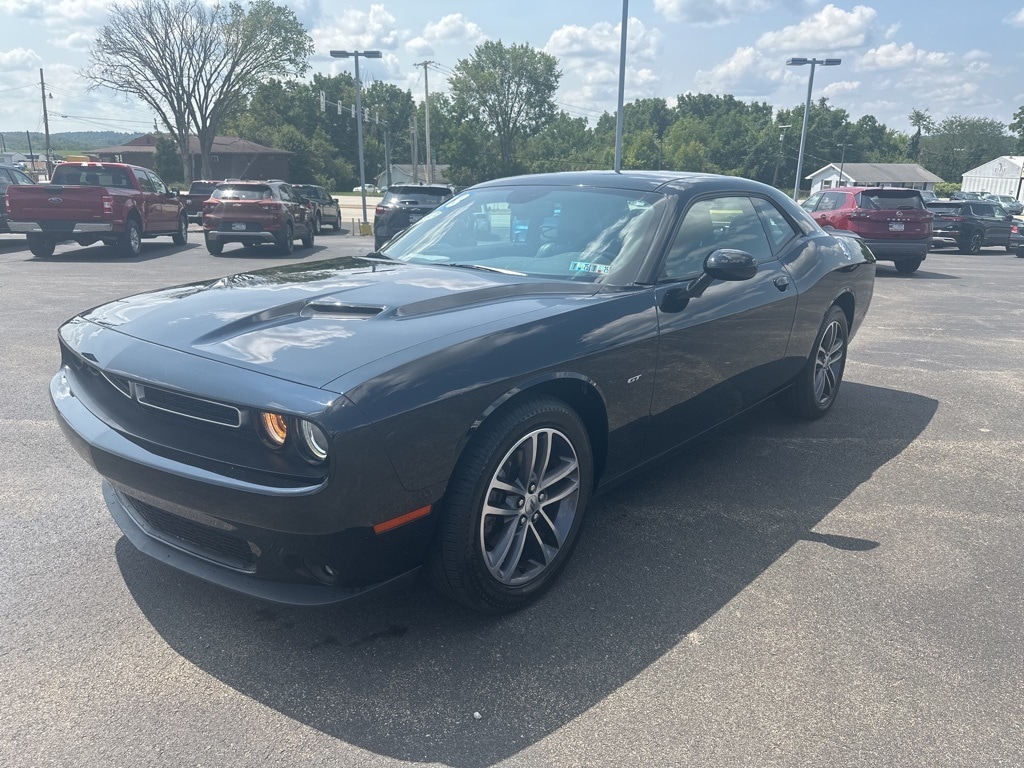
273, 429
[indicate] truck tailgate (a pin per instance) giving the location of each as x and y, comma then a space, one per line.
48, 202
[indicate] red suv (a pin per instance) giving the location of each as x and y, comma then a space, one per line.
254, 212
893, 222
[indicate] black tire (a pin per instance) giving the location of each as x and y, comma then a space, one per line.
495, 562
908, 266
215, 247
816, 387
337, 224
309, 239
286, 240
41, 246
317, 224
129, 244
181, 236
972, 243
378, 243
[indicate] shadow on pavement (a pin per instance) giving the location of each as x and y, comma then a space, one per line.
402, 676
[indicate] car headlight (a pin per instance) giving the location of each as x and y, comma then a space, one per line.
312, 441
273, 428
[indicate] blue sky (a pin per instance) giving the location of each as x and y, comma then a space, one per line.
949, 57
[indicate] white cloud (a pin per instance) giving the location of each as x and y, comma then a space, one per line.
894, 56
19, 59
1016, 19
712, 13
454, 28
843, 86
360, 30
589, 56
829, 30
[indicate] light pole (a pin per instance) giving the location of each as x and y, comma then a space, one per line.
799, 62
622, 86
359, 115
782, 139
842, 164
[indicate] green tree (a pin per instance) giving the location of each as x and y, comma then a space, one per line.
166, 160
195, 64
1017, 128
960, 143
508, 91
922, 123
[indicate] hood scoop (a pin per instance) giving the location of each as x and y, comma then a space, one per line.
330, 306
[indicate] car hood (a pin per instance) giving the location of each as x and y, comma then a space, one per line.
315, 322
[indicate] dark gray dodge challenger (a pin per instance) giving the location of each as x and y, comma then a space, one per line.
313, 433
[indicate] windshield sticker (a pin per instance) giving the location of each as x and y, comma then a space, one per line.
587, 266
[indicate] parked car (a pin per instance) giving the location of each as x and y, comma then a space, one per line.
1009, 202
404, 205
307, 434
971, 225
256, 212
961, 195
893, 221
9, 175
326, 209
370, 189
198, 193
928, 195
116, 203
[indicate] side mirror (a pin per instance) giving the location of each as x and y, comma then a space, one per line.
730, 265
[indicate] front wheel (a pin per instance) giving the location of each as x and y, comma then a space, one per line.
308, 238
180, 237
317, 224
816, 387
41, 246
130, 243
514, 506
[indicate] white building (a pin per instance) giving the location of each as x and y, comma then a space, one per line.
909, 175
1001, 176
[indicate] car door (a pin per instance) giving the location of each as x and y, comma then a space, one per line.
165, 205
827, 211
725, 349
299, 210
996, 221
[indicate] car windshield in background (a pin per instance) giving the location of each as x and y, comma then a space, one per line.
552, 232
246, 192
201, 188
890, 199
89, 176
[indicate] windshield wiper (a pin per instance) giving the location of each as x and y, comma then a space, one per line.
485, 269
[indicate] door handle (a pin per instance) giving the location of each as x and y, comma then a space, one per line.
782, 283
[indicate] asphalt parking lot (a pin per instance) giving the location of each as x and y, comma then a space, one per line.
842, 593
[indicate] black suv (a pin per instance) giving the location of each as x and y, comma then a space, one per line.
326, 209
971, 225
405, 204
9, 176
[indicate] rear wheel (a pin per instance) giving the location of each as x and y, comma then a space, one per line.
181, 236
972, 243
215, 247
40, 245
908, 266
817, 386
514, 506
286, 239
317, 224
337, 224
130, 243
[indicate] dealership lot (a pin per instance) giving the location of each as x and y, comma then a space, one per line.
845, 592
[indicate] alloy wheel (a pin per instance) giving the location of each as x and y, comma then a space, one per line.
828, 363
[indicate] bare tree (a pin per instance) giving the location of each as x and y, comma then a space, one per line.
194, 64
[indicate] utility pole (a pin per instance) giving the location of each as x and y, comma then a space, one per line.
46, 125
426, 113
415, 150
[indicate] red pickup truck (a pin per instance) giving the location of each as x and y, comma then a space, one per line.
88, 202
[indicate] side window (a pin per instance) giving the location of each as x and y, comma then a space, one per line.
720, 222
830, 201
20, 178
780, 230
144, 182
811, 202
158, 185
5, 180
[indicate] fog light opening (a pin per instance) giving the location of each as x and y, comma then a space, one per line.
322, 572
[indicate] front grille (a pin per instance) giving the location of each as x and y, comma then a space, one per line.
202, 540
185, 405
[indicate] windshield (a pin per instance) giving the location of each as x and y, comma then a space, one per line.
595, 235
242, 192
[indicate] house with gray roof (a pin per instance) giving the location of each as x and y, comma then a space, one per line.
231, 157
909, 175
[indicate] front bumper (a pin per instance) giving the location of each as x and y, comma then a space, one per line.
311, 544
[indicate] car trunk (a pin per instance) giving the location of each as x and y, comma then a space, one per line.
891, 214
